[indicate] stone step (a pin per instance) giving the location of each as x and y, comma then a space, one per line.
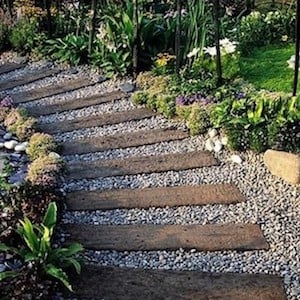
27, 78
145, 137
75, 103
140, 165
154, 197
97, 121
111, 283
9, 67
141, 237
53, 89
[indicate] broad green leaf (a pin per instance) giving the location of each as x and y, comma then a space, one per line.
50, 217
8, 274
29, 235
58, 274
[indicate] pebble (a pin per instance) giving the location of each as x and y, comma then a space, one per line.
7, 136
218, 146
236, 159
212, 133
10, 144
224, 140
209, 145
20, 147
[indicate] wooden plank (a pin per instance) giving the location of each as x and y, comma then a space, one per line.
154, 197
75, 103
9, 67
54, 89
140, 165
95, 121
27, 78
141, 237
111, 283
145, 137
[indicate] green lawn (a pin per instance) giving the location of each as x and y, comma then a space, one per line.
267, 68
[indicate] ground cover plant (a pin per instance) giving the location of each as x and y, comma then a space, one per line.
29, 197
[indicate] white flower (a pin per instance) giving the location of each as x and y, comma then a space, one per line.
212, 51
228, 49
194, 52
291, 62
225, 42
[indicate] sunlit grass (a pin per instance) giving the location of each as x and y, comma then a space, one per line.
267, 68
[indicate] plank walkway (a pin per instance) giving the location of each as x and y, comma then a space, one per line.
154, 197
55, 89
112, 283
98, 282
144, 137
140, 165
10, 67
97, 121
211, 237
28, 78
76, 103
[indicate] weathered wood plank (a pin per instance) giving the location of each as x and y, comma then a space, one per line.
111, 283
75, 103
154, 197
27, 78
53, 89
140, 165
210, 237
145, 137
9, 67
95, 121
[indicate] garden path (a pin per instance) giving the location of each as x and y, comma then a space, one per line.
102, 282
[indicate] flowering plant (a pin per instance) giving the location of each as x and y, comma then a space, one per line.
164, 64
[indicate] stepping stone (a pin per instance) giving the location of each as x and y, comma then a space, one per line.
53, 89
75, 103
111, 283
141, 237
97, 121
140, 165
9, 67
145, 137
27, 78
154, 197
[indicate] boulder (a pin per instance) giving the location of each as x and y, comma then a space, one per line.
284, 165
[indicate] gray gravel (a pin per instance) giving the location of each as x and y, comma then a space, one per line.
272, 203
115, 106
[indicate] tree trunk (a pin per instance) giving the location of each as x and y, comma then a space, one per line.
136, 38
92, 26
178, 35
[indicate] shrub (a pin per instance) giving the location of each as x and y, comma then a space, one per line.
139, 97
45, 170
14, 116
4, 111
23, 34
198, 120
145, 79
40, 144
25, 129
166, 105
183, 111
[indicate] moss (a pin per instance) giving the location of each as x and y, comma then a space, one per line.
198, 120
40, 144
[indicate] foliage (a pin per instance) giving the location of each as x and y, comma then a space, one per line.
258, 29
25, 129
37, 250
247, 121
166, 105
198, 120
24, 35
70, 49
4, 33
45, 170
164, 64
267, 67
40, 144
139, 97
145, 79
4, 111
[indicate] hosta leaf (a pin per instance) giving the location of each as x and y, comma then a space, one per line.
50, 217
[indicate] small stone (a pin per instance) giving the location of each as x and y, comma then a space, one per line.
236, 159
1, 145
2, 268
218, 146
224, 140
127, 87
10, 144
212, 133
54, 155
209, 145
20, 147
7, 136
284, 165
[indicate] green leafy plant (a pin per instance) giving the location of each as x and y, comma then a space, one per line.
166, 105
139, 97
70, 49
198, 120
38, 250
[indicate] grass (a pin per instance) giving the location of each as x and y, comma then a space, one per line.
266, 67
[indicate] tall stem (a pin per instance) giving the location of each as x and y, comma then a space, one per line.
296, 71
136, 38
216, 6
178, 35
92, 26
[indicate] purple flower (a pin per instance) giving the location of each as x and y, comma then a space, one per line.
194, 98
6, 102
240, 95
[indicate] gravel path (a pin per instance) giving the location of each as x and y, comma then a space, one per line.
271, 202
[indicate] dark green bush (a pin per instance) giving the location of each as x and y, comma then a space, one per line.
166, 105
198, 120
